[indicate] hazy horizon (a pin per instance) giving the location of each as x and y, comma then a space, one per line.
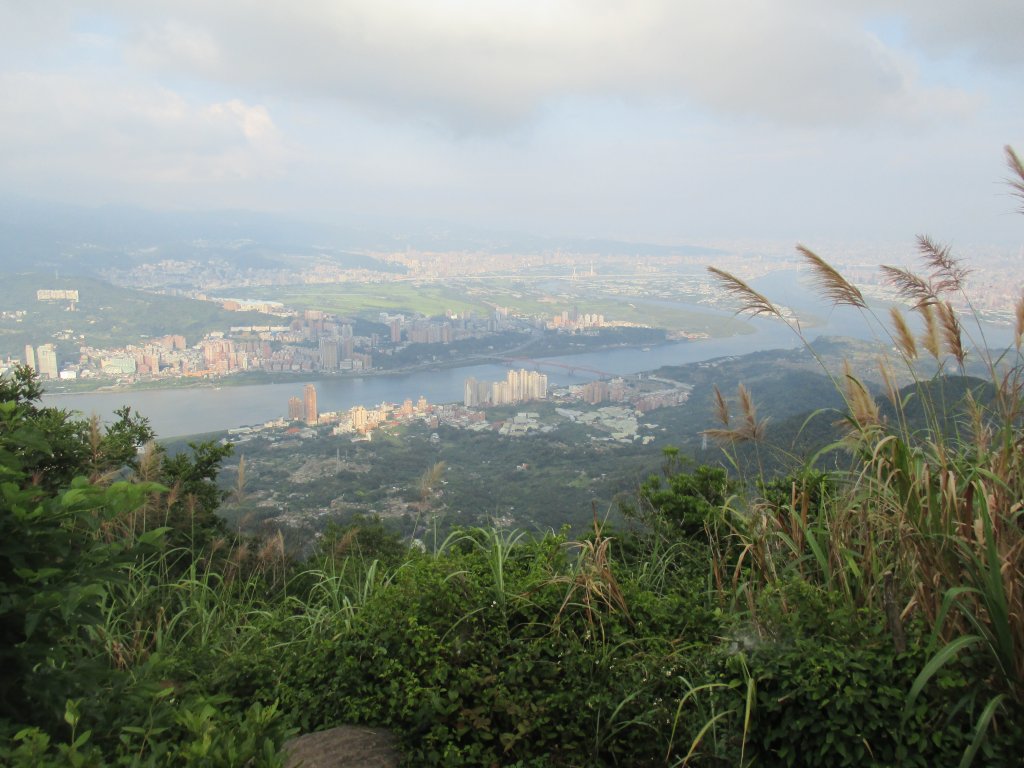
652, 121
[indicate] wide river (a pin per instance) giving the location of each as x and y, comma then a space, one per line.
187, 411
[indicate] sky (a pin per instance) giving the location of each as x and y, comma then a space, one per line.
667, 121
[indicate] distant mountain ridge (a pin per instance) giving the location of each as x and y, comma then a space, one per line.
82, 240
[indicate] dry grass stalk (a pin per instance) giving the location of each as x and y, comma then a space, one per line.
750, 300
721, 407
272, 551
981, 434
1015, 184
904, 338
1018, 330
830, 283
342, 545
892, 391
863, 407
149, 462
947, 273
931, 339
910, 286
949, 324
752, 429
594, 585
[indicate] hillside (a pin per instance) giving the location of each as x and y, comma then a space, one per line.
105, 316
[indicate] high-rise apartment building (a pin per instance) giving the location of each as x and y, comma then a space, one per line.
518, 386
46, 355
30, 357
295, 408
309, 404
329, 354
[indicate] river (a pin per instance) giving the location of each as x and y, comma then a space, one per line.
187, 411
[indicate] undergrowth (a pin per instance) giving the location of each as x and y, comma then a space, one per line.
868, 617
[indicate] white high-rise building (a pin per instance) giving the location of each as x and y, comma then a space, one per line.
46, 354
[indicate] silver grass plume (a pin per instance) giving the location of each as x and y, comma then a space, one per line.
751, 301
752, 429
1018, 331
910, 286
863, 407
947, 273
1017, 183
829, 282
889, 379
721, 407
904, 338
949, 324
930, 339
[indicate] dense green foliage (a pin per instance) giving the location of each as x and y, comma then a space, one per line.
866, 617
137, 634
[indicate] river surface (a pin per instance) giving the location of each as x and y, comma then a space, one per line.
188, 411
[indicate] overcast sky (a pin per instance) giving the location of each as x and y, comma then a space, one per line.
660, 120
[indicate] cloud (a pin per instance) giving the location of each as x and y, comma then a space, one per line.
989, 31
486, 65
84, 130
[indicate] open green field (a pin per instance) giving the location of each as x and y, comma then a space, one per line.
368, 299
432, 299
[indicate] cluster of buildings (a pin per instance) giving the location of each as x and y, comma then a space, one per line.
453, 326
359, 419
313, 341
518, 387
304, 408
42, 360
573, 320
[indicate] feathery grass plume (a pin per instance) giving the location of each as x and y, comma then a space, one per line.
344, 543
1018, 331
149, 462
904, 338
909, 286
429, 479
752, 429
930, 339
1016, 184
723, 436
830, 283
980, 432
750, 300
863, 407
947, 273
721, 407
892, 391
949, 324
272, 551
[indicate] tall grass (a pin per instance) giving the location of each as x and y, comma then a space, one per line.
927, 524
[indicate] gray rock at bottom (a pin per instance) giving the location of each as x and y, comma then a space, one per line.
347, 746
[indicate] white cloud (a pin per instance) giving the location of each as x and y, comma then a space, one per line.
481, 65
594, 116
85, 130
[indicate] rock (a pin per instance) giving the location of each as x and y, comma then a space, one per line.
347, 746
